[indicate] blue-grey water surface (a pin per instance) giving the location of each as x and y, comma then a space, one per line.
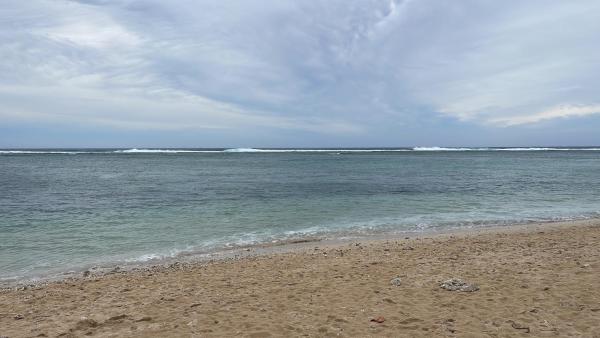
72, 209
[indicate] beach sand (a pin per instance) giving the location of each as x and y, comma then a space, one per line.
534, 281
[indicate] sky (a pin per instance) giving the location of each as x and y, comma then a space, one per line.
289, 73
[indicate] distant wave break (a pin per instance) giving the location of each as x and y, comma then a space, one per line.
267, 150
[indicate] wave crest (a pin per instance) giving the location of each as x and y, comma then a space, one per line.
265, 150
162, 151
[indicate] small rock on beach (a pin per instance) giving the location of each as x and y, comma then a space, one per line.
378, 320
456, 284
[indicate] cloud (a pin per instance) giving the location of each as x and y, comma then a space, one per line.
565, 111
100, 35
507, 60
335, 67
159, 111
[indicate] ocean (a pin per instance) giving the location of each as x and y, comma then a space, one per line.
66, 210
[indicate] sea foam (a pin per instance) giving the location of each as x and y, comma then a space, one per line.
300, 150
166, 151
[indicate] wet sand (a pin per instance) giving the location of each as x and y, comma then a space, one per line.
534, 281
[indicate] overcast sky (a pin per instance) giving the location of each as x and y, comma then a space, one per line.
259, 73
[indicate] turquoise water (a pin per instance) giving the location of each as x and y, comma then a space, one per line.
64, 210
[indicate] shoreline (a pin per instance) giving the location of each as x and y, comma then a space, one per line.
266, 248
540, 278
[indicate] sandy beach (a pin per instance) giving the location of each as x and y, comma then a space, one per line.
538, 280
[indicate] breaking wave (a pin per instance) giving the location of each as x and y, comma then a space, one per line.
166, 151
280, 150
310, 150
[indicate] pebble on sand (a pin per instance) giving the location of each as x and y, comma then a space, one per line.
519, 326
379, 319
456, 284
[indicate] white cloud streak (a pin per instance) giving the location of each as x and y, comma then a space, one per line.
560, 112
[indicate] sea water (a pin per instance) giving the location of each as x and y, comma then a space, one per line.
72, 209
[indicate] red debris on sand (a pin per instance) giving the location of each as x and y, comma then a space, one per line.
379, 319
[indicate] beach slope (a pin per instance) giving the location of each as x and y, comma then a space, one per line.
531, 281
